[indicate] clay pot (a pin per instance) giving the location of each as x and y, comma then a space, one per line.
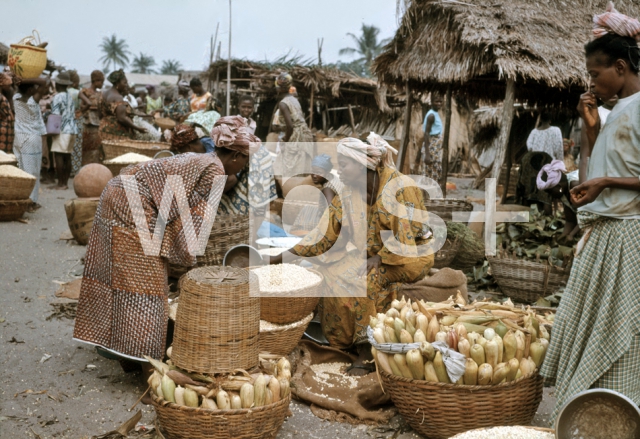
91, 180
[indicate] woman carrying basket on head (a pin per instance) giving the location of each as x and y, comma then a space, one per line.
596, 335
344, 318
123, 306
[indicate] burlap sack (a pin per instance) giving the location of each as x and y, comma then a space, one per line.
437, 287
366, 401
80, 214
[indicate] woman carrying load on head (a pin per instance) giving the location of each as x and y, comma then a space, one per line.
596, 334
123, 305
117, 123
7, 117
89, 105
351, 228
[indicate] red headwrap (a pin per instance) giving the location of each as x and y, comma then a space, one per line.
232, 132
182, 136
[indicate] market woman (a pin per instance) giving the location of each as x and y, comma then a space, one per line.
595, 340
89, 104
7, 117
116, 123
344, 318
123, 305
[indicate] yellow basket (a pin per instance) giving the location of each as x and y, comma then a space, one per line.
27, 61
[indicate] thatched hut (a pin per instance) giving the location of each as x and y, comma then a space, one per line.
516, 51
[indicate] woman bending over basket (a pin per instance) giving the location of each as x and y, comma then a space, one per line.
344, 318
123, 305
596, 336
116, 113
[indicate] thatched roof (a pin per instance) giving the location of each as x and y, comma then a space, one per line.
476, 44
331, 85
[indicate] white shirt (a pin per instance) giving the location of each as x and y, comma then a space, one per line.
549, 141
131, 100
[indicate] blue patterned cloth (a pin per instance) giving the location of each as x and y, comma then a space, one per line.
63, 105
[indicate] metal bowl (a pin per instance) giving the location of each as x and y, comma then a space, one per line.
598, 414
242, 256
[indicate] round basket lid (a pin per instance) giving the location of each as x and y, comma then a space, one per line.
222, 276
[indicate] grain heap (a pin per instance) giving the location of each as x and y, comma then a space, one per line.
284, 277
130, 158
332, 374
506, 433
501, 343
13, 172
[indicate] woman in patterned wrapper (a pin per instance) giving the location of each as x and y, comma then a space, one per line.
595, 342
123, 307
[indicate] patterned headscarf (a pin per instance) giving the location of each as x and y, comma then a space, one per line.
231, 132
554, 171
373, 155
116, 76
322, 161
614, 22
182, 135
284, 80
96, 75
5, 79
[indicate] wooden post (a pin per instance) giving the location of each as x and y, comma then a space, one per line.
505, 129
229, 67
406, 131
445, 141
506, 183
325, 116
352, 120
311, 109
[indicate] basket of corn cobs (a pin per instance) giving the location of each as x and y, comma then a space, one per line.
243, 404
115, 165
288, 293
438, 360
115, 148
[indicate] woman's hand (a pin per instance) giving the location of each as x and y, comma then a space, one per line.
373, 263
140, 129
588, 191
588, 109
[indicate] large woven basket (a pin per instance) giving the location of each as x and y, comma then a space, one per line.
115, 148
27, 61
180, 422
446, 254
218, 323
291, 306
227, 231
444, 208
527, 281
15, 188
283, 339
439, 410
8, 159
13, 210
115, 168
164, 123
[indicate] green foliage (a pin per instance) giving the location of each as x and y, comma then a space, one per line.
143, 64
116, 52
367, 47
170, 67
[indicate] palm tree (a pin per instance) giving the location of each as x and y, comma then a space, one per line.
367, 45
115, 52
170, 67
143, 64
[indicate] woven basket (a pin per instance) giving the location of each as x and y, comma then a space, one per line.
527, 281
6, 159
439, 410
27, 61
227, 232
15, 188
283, 340
446, 254
115, 168
13, 210
217, 323
488, 430
115, 148
164, 123
181, 422
290, 306
445, 208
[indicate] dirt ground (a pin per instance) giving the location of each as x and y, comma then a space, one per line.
54, 387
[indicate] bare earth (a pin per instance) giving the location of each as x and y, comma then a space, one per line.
53, 387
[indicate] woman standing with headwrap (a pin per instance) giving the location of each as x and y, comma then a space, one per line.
180, 108
89, 104
344, 316
123, 305
296, 151
116, 113
595, 340
7, 118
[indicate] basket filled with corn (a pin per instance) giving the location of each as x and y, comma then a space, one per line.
288, 293
243, 404
438, 360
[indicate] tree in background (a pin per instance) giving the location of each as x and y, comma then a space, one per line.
367, 46
170, 67
115, 52
143, 64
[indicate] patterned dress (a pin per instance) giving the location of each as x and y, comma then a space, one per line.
549, 141
123, 305
199, 103
345, 317
296, 154
7, 120
110, 128
27, 145
90, 134
76, 155
178, 109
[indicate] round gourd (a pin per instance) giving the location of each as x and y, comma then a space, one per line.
91, 180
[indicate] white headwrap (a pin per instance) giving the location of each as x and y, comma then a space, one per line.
375, 154
554, 171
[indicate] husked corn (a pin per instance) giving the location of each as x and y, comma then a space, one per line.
505, 433
130, 157
284, 277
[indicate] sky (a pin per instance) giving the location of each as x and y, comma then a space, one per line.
182, 29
